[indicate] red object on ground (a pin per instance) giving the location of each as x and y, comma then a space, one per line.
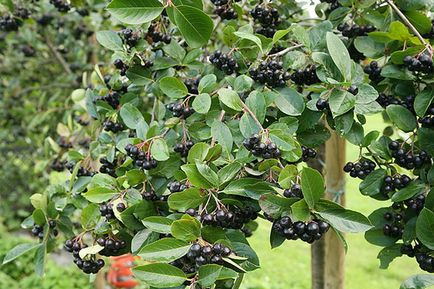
120, 274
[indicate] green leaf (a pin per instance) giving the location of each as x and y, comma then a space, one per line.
290, 102
300, 210
230, 98
92, 250
109, 39
164, 250
195, 26
248, 187
19, 250
131, 115
413, 189
371, 185
251, 37
312, 186
423, 101
202, 103
182, 201
342, 219
401, 117
207, 83
142, 238
208, 274
135, 11
99, 194
195, 177
420, 281
160, 275
159, 149
173, 87
388, 254
274, 205
287, 174
341, 102
89, 216
40, 259
199, 151
426, 137
186, 229
339, 53
425, 228
208, 173
158, 224
228, 172
222, 134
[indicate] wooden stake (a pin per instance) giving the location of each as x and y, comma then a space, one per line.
328, 254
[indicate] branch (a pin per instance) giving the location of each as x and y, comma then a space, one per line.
247, 109
408, 23
286, 50
58, 56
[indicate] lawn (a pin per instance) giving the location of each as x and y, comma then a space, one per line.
289, 265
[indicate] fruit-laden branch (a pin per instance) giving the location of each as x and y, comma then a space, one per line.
408, 23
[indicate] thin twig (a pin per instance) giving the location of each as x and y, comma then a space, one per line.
58, 56
247, 109
286, 50
408, 23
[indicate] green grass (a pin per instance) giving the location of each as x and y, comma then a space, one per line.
289, 265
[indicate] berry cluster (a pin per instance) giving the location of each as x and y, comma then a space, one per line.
82, 172
386, 100
293, 192
22, 13
192, 85
266, 150
106, 211
123, 67
179, 110
308, 232
61, 5
112, 98
199, 255
175, 187
112, 247
224, 62
416, 204
9, 23
322, 104
407, 158
45, 19
373, 71
92, 265
64, 143
230, 217
423, 64
359, 169
224, 9
305, 76
183, 148
355, 30
307, 153
151, 196
114, 127
130, 37
57, 165
154, 35
270, 73
334, 4
38, 231
268, 18
428, 119
394, 228
107, 167
426, 262
140, 158
393, 183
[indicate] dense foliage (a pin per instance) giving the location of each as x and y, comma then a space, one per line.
205, 118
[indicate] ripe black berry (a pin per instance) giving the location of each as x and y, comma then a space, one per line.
270, 73
224, 62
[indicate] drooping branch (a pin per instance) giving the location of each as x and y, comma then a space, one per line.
286, 50
408, 23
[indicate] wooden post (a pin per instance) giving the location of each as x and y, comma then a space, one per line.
100, 280
328, 254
